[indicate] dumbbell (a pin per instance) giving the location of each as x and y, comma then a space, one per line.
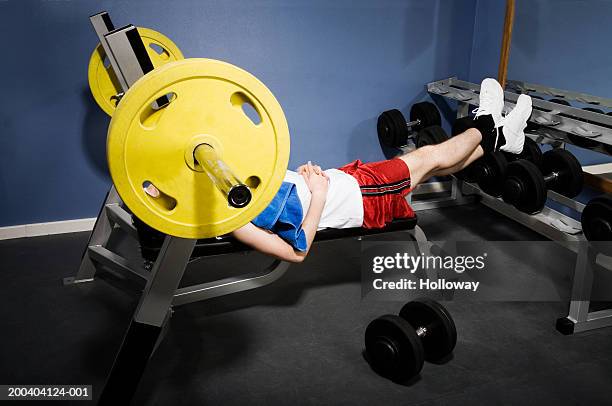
394, 131
432, 135
526, 186
531, 152
489, 172
597, 223
461, 125
397, 346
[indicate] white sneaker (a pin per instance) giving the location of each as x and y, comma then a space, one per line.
514, 125
491, 101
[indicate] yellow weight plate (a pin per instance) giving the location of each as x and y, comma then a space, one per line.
207, 105
102, 80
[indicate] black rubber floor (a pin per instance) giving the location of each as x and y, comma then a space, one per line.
297, 341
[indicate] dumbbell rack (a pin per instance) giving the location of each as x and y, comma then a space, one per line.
554, 122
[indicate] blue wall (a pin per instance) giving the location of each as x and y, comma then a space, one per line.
558, 43
488, 29
333, 65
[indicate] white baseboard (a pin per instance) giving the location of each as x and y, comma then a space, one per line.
54, 227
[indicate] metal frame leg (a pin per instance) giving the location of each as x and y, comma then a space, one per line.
579, 318
150, 318
98, 238
227, 286
424, 246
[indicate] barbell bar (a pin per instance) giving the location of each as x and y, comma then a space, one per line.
238, 194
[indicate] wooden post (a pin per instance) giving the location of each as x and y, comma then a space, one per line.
502, 74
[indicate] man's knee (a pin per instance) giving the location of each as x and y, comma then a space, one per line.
421, 162
431, 159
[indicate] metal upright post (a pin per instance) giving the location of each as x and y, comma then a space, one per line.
148, 322
129, 60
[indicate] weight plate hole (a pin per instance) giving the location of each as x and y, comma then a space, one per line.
106, 62
152, 113
253, 182
161, 199
241, 100
159, 50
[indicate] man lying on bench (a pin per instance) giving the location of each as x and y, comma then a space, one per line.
371, 195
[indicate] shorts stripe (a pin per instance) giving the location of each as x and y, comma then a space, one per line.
380, 185
385, 191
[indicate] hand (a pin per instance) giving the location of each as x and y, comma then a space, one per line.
316, 179
305, 168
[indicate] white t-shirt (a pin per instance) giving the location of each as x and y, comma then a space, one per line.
343, 205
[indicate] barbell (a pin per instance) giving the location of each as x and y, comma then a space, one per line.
103, 83
215, 166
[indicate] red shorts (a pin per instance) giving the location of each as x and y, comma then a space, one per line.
384, 186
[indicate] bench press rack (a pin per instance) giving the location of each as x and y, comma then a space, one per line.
129, 60
555, 122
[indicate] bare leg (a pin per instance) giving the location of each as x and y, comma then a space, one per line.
445, 158
461, 165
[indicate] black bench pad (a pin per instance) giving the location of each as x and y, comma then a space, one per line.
227, 244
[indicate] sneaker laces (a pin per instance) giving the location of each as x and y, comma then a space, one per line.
479, 111
483, 111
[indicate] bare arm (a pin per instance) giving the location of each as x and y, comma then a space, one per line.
271, 244
267, 243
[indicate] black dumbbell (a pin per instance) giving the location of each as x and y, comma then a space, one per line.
432, 135
526, 186
489, 172
531, 152
461, 125
394, 131
397, 346
597, 223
